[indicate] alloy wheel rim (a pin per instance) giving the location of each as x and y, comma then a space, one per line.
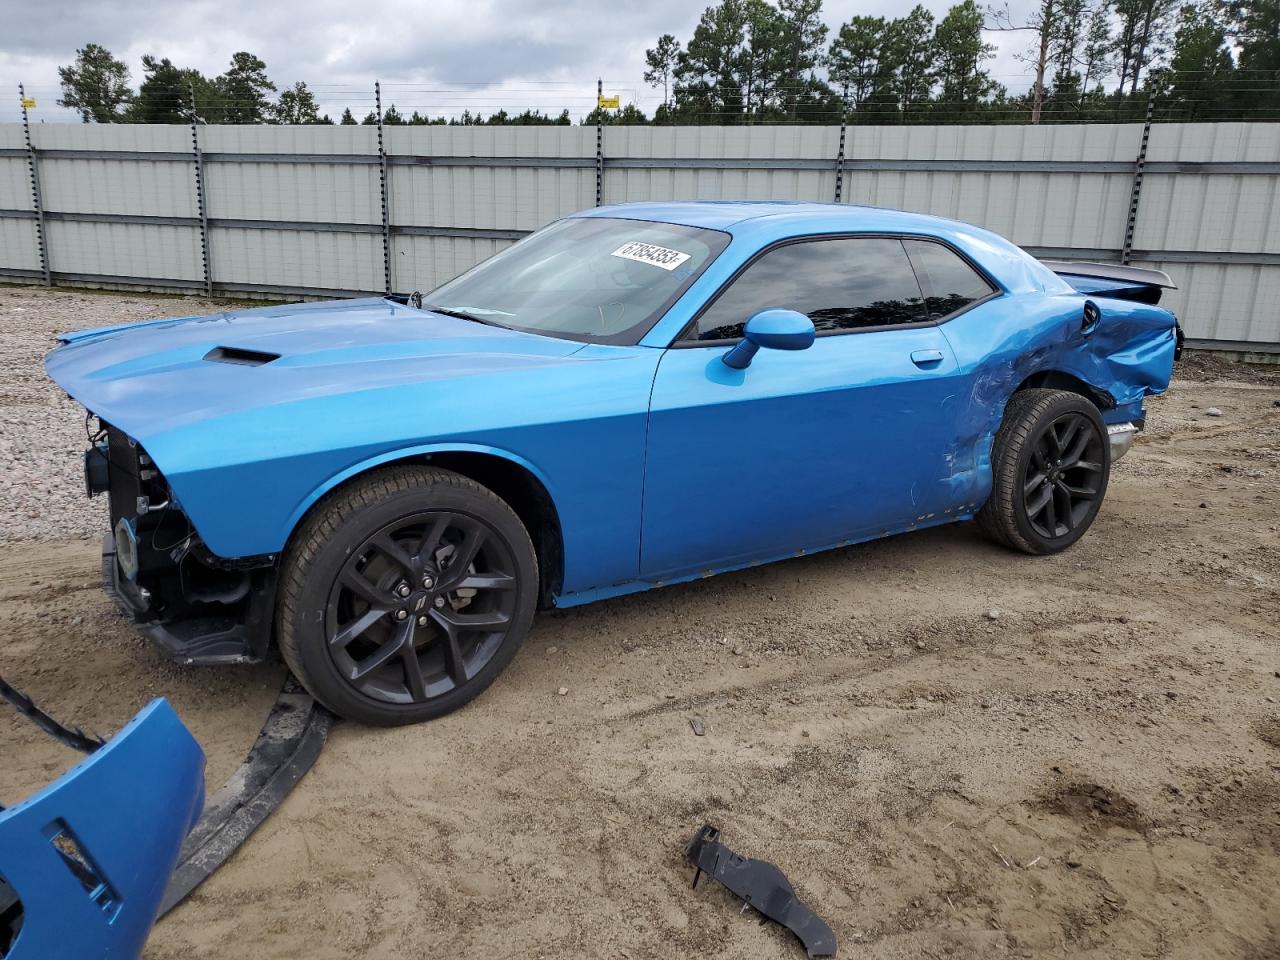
1063, 476
421, 607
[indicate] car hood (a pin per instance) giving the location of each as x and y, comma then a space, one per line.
152, 377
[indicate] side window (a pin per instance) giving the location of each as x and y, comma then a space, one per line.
841, 284
948, 282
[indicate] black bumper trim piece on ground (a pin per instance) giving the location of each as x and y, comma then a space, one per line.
287, 747
761, 886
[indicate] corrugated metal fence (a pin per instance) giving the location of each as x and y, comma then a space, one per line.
322, 210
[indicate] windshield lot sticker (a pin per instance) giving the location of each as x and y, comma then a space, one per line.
652, 254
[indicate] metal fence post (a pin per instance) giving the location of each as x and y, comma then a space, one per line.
1126, 251
383, 185
844, 122
34, 170
599, 143
201, 208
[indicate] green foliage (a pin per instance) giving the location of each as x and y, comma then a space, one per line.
536, 118
960, 53
237, 96
298, 104
165, 95
1255, 27
628, 114
1144, 33
856, 62
910, 58
1198, 74
244, 91
660, 64
749, 60
96, 85
777, 61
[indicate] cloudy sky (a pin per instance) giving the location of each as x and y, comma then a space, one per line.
437, 56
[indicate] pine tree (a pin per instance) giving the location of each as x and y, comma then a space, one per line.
660, 63
909, 56
1144, 30
164, 95
628, 114
856, 59
1097, 52
960, 53
1199, 73
245, 90
801, 38
1255, 26
96, 85
297, 104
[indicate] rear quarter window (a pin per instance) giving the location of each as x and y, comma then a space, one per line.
948, 282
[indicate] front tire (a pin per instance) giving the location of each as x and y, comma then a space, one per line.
1050, 463
404, 594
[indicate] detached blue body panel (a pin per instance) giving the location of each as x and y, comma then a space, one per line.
658, 459
126, 810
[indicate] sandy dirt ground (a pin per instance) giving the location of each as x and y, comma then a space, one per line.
952, 750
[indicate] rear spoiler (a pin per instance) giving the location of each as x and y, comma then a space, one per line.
1113, 280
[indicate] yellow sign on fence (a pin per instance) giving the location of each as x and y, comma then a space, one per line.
29, 103
607, 103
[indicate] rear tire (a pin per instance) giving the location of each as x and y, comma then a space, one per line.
404, 594
1050, 463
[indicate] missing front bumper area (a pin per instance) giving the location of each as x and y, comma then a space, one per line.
203, 639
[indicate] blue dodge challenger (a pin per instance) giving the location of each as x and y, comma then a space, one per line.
632, 396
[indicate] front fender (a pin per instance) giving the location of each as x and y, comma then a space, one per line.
408, 453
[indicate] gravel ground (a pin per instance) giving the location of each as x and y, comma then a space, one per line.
952, 750
42, 431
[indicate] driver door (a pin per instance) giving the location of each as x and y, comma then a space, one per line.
847, 439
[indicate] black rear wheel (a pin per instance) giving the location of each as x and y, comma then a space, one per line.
1051, 461
405, 595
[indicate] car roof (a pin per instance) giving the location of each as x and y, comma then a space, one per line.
754, 224
727, 214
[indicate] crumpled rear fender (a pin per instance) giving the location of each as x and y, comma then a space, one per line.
1129, 354
123, 813
1124, 358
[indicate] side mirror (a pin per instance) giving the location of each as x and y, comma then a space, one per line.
776, 329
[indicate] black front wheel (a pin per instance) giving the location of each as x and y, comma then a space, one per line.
1050, 463
405, 594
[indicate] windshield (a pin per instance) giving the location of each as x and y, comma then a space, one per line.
586, 278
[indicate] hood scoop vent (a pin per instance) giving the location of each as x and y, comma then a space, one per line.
240, 356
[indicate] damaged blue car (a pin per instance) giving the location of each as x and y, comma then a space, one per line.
387, 489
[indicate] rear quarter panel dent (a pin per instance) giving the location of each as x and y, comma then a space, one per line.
1129, 356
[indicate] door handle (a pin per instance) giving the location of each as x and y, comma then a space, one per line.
926, 359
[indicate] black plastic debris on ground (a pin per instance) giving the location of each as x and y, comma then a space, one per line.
72, 737
761, 886
286, 748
